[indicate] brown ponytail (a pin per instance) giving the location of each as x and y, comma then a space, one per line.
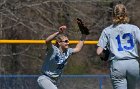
120, 14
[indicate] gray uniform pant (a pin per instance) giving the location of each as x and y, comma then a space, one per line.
124, 73
45, 82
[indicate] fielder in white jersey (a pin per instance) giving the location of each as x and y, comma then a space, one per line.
122, 40
56, 58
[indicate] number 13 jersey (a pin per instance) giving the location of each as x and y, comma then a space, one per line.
121, 40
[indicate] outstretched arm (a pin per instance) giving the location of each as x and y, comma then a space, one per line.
80, 44
84, 31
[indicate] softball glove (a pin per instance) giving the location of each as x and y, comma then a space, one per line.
82, 27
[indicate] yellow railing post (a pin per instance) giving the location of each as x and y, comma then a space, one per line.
39, 42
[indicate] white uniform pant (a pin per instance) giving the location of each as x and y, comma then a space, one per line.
45, 82
124, 73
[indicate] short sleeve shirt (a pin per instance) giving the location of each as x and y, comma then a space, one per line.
55, 61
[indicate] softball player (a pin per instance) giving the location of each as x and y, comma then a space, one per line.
56, 58
121, 39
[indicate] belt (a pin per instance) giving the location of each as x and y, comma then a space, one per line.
54, 79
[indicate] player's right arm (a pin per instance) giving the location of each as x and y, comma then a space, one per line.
101, 43
52, 36
99, 50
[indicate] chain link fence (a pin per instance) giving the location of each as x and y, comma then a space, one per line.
66, 82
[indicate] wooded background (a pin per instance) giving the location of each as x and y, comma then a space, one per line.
37, 19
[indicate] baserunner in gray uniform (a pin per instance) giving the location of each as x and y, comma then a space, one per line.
56, 58
121, 39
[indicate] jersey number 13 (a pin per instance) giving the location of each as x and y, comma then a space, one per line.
129, 41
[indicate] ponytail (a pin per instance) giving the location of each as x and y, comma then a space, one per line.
120, 14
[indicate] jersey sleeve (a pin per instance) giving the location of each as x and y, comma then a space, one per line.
102, 40
137, 34
51, 49
70, 51
49, 46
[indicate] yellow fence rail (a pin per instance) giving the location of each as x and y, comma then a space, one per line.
40, 42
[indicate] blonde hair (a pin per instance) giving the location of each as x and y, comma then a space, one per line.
120, 14
59, 38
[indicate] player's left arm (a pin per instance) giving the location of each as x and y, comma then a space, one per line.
102, 50
84, 31
80, 44
137, 33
